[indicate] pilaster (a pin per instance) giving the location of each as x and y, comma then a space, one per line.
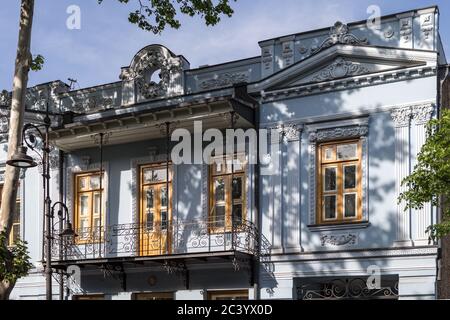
402, 119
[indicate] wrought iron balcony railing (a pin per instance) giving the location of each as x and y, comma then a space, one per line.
175, 238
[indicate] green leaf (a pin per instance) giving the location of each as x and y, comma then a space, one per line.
156, 15
430, 180
14, 261
37, 63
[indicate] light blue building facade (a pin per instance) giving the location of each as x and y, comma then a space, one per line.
349, 103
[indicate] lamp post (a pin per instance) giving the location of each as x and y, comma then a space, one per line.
21, 160
66, 231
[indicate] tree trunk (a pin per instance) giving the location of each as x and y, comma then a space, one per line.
20, 83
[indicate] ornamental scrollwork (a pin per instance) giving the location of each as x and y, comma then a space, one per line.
401, 117
146, 66
224, 80
339, 34
340, 68
93, 103
5, 98
338, 240
338, 133
422, 114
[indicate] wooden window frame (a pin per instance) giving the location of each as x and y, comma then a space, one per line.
340, 192
10, 239
92, 192
213, 295
229, 201
144, 236
159, 184
83, 297
156, 295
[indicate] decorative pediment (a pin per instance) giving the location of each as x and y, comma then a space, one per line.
156, 72
344, 61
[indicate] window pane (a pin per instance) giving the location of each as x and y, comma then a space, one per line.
219, 187
218, 166
95, 182
219, 216
152, 175
329, 154
82, 183
149, 220
97, 222
83, 223
84, 205
164, 201
150, 193
350, 205
15, 233
330, 179
16, 218
97, 203
237, 213
330, 207
164, 220
346, 151
350, 177
237, 188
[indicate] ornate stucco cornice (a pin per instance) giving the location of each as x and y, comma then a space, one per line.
349, 83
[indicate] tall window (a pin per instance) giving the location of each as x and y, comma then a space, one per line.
15, 230
155, 208
227, 192
339, 187
90, 215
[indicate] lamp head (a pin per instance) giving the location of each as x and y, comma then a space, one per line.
20, 159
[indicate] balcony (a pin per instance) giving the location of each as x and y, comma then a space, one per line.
143, 243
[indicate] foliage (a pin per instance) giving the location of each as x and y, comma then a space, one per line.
430, 181
14, 261
37, 63
155, 15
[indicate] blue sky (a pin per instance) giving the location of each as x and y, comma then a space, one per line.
107, 41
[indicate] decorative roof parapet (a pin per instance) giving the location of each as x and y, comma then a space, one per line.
339, 34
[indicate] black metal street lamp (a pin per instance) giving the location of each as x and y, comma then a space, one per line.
20, 159
66, 233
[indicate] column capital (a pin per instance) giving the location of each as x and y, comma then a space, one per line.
401, 116
421, 114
